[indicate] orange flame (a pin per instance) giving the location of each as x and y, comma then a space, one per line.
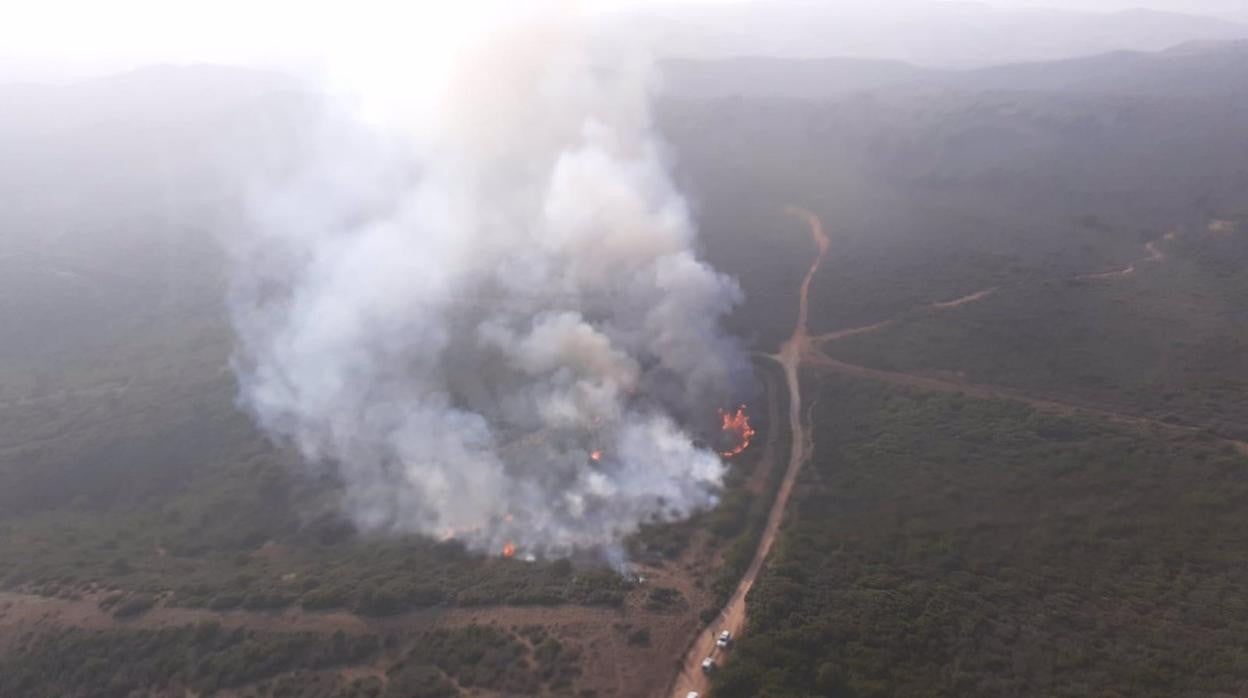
737, 424
509, 549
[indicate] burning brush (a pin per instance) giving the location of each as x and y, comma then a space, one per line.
737, 431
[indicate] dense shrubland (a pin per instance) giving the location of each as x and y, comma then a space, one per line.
940, 545
206, 659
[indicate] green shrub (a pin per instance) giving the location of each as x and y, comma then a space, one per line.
133, 606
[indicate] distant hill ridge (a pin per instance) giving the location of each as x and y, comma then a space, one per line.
951, 35
1192, 69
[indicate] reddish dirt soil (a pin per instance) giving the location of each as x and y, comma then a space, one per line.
732, 618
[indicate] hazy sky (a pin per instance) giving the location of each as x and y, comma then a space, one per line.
58, 38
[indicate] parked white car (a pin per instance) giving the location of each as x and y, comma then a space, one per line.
724, 639
693, 694
708, 665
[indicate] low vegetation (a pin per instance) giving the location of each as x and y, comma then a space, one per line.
1168, 341
215, 546
204, 659
207, 659
940, 545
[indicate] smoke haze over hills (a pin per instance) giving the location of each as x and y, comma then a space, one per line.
459, 306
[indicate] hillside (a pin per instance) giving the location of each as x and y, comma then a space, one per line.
1028, 382
1025, 373
1193, 70
937, 35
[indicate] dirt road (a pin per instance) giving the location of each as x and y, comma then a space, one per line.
959, 302
1151, 249
801, 348
988, 392
732, 617
1154, 255
884, 324
816, 358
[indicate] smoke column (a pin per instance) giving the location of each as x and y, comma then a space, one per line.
477, 296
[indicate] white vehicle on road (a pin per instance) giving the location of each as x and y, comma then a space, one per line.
724, 639
708, 665
692, 694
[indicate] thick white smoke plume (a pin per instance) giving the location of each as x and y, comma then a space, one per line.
481, 303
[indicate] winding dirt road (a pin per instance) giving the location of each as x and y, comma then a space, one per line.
817, 358
801, 347
1154, 255
964, 300
1153, 252
732, 617
20, 613
883, 324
